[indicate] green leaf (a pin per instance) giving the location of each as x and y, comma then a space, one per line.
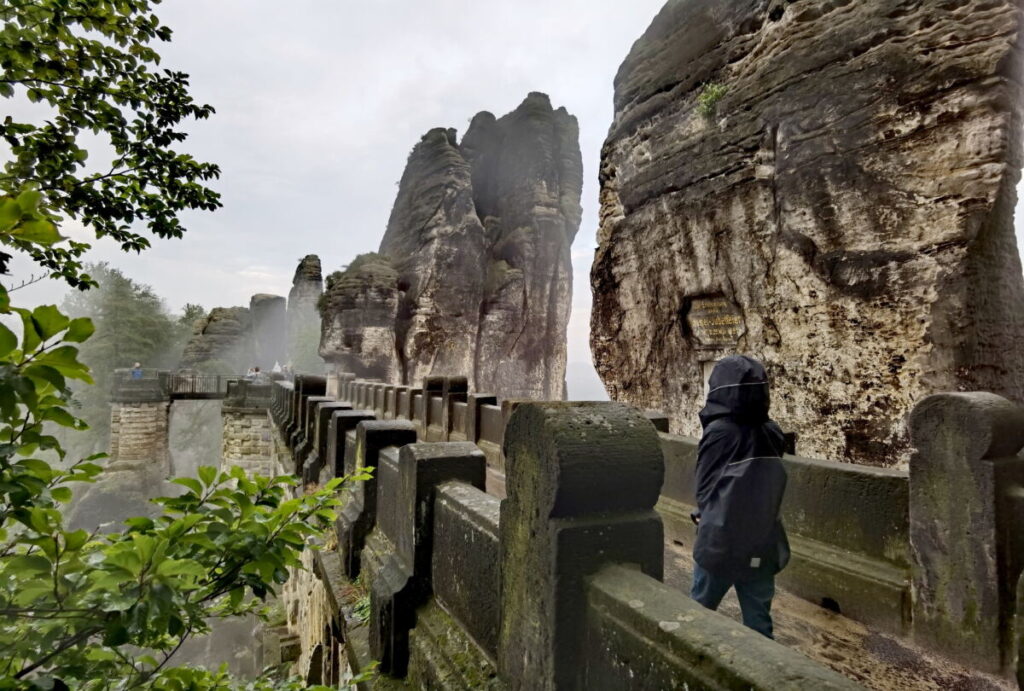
10, 214
30, 336
38, 232
181, 567
207, 474
49, 321
190, 483
115, 635
8, 341
29, 200
47, 375
79, 330
61, 494
74, 540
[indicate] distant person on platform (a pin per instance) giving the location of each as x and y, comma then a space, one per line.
249, 375
259, 377
137, 371
740, 483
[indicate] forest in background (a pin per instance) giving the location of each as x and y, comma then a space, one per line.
133, 324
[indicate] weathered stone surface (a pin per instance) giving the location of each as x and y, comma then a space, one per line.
303, 316
530, 174
360, 310
966, 558
398, 554
644, 635
269, 330
436, 241
583, 480
221, 343
466, 581
478, 241
850, 195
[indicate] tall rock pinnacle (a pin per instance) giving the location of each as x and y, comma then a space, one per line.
303, 317
478, 242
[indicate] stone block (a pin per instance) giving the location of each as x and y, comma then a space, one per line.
643, 635
456, 389
464, 567
341, 423
965, 459
359, 514
318, 459
582, 482
397, 558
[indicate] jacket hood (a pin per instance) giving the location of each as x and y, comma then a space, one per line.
738, 388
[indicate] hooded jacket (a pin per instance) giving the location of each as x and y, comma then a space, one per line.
740, 477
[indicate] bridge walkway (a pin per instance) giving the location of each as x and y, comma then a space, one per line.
161, 385
876, 660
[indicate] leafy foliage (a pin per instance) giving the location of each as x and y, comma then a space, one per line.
132, 325
710, 95
89, 610
74, 601
91, 64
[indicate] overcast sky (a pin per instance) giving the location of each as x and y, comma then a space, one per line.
318, 104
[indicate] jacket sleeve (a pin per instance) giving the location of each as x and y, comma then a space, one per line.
714, 451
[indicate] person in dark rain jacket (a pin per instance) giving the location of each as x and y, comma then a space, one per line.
740, 483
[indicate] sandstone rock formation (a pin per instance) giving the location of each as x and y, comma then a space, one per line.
827, 186
269, 330
303, 318
221, 343
360, 308
478, 241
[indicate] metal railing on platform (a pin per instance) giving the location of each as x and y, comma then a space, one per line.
153, 384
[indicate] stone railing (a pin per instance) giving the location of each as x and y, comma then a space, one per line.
558, 586
933, 553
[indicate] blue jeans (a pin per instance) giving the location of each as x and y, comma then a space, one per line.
755, 597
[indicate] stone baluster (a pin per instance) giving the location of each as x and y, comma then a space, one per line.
359, 514
397, 557
964, 527
582, 482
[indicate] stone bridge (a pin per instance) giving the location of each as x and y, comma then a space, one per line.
522, 545
141, 407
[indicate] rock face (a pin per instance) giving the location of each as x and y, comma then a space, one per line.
269, 330
826, 186
478, 242
303, 317
221, 343
360, 309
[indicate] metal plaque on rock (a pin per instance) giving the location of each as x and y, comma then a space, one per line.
715, 322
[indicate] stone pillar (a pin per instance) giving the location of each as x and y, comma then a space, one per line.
582, 482
247, 440
962, 534
433, 387
345, 381
138, 432
317, 459
407, 410
359, 514
397, 558
304, 434
343, 422
456, 389
473, 403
